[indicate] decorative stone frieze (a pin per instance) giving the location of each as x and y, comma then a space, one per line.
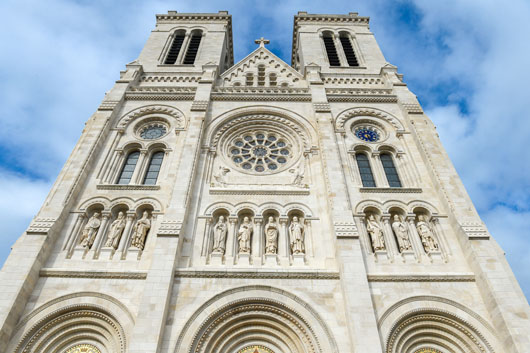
40, 225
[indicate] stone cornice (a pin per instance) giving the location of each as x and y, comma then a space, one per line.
252, 274
159, 96
261, 97
254, 191
66, 273
127, 187
433, 277
392, 190
361, 99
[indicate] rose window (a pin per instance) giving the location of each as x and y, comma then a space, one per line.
260, 152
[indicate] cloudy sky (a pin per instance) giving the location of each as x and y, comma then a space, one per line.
466, 60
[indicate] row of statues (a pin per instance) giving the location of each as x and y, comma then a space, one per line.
401, 231
140, 230
244, 236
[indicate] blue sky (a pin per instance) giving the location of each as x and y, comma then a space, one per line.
466, 60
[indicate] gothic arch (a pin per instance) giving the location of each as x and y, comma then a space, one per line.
435, 322
164, 110
268, 313
78, 318
378, 114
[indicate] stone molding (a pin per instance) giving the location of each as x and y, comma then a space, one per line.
358, 91
169, 78
252, 191
159, 96
391, 190
41, 225
108, 105
258, 274
261, 90
340, 121
413, 108
170, 228
200, 106
163, 89
346, 230
261, 97
353, 80
400, 277
127, 187
107, 274
475, 230
322, 107
361, 99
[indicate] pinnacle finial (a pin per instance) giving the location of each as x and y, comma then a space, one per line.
262, 41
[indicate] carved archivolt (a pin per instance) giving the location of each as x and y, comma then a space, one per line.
260, 315
375, 113
163, 110
406, 208
438, 323
108, 204
73, 320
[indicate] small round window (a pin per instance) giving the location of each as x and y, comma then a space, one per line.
367, 133
153, 131
260, 152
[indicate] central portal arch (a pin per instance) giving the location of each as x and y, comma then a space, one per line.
255, 319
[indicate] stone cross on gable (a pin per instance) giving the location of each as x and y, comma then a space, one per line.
262, 41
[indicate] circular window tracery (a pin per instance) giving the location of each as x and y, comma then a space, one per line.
260, 152
152, 130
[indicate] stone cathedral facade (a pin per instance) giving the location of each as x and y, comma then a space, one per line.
259, 207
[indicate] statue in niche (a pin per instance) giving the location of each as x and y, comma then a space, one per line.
402, 234
376, 233
90, 231
219, 235
271, 236
426, 235
298, 174
243, 236
140, 230
220, 176
296, 234
116, 230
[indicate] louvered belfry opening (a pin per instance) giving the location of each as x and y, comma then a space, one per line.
348, 51
193, 48
174, 51
333, 57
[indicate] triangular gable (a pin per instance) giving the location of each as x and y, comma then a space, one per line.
238, 75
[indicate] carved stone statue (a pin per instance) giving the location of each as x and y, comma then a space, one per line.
220, 175
140, 230
116, 230
219, 235
90, 231
425, 233
376, 233
298, 174
402, 234
243, 236
296, 234
271, 236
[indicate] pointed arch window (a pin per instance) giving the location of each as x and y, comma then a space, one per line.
331, 50
351, 58
174, 50
153, 169
367, 177
390, 171
193, 48
128, 168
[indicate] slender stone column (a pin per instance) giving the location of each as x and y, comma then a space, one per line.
390, 240
415, 237
283, 241
230, 241
94, 250
70, 243
403, 172
117, 163
124, 241
308, 238
257, 239
139, 171
377, 167
206, 241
